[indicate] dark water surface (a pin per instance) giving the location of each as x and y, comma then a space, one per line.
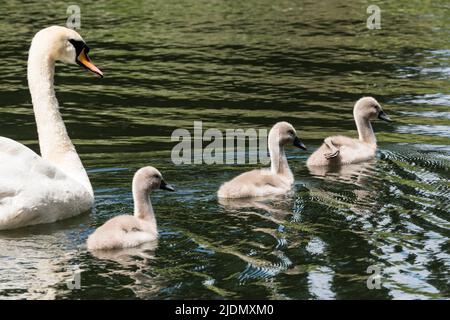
243, 64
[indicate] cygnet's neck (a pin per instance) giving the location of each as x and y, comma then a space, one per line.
54, 142
278, 161
365, 130
143, 208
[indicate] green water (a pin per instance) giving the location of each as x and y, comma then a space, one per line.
243, 64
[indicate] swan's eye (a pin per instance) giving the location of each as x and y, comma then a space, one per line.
291, 132
78, 45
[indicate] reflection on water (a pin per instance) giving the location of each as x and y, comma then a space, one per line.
126, 256
241, 65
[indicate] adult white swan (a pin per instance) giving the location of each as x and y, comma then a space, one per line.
42, 189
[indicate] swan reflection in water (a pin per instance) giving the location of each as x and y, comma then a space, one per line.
127, 256
285, 212
360, 177
136, 264
36, 260
277, 206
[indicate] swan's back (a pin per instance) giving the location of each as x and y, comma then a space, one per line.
350, 151
125, 231
255, 183
33, 191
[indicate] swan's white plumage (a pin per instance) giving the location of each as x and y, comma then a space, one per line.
42, 189
34, 191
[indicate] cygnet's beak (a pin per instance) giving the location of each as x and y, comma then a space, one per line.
299, 144
165, 186
383, 116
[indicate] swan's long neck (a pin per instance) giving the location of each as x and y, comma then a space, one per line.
365, 130
143, 208
54, 142
278, 160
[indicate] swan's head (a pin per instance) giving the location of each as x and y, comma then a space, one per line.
148, 179
369, 108
63, 44
284, 133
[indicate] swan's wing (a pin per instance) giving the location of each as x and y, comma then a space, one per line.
254, 183
34, 191
340, 141
353, 150
124, 231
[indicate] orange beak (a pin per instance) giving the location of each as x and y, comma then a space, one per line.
83, 60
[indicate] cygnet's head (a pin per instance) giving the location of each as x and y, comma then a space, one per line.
62, 44
148, 179
284, 133
369, 108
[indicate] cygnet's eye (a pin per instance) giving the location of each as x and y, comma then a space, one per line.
291, 132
